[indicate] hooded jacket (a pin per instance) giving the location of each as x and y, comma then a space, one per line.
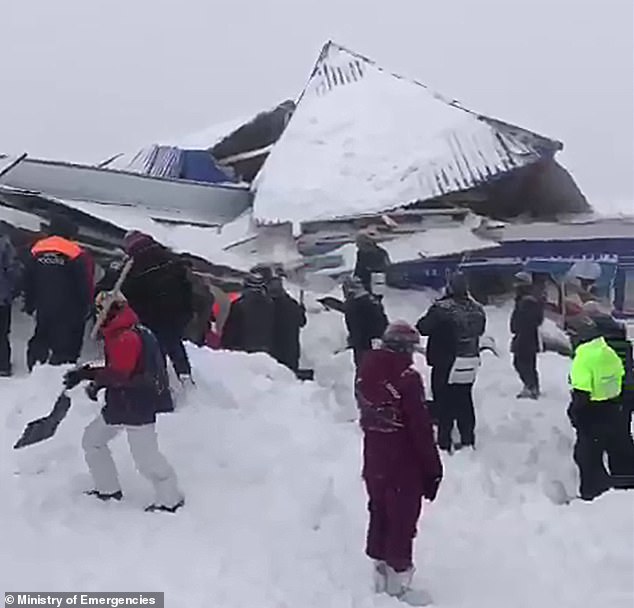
132, 398
399, 445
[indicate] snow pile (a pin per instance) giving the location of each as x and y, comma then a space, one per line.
275, 512
371, 144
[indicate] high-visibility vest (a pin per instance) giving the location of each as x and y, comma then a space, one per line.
598, 370
57, 244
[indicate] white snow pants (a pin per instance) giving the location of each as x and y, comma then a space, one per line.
149, 461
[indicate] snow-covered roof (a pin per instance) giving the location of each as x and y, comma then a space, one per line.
364, 140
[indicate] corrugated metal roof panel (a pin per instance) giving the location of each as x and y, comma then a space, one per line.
365, 140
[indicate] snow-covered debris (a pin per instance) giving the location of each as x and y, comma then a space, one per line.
363, 140
276, 509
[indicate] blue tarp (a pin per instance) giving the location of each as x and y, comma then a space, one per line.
176, 163
199, 166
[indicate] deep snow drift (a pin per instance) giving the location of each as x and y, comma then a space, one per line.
275, 513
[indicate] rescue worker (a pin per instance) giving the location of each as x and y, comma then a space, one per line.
615, 334
526, 319
401, 464
10, 271
249, 326
371, 258
289, 316
365, 318
160, 294
57, 289
454, 324
137, 389
596, 379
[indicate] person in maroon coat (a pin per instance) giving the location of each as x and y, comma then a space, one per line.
401, 464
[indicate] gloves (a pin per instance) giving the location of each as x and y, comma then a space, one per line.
430, 487
92, 390
75, 376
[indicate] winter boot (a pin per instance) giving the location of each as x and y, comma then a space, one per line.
105, 497
525, 393
379, 575
399, 586
165, 509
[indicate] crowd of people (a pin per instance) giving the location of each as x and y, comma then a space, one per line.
151, 302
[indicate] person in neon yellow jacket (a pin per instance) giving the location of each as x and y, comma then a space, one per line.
596, 379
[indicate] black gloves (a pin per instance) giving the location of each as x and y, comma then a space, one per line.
75, 376
430, 488
92, 390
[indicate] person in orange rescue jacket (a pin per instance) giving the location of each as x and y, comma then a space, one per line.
57, 289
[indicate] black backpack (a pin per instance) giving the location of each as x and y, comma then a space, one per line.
155, 370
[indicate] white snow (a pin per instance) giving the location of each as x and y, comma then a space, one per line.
371, 145
275, 513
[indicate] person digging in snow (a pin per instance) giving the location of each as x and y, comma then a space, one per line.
454, 324
401, 464
137, 389
526, 319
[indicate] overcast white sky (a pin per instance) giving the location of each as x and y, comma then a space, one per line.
84, 79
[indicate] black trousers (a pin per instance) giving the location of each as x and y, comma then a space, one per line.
171, 343
5, 344
453, 405
55, 341
601, 431
525, 363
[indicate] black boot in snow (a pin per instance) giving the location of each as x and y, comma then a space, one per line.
105, 497
164, 508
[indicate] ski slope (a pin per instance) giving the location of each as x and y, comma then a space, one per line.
275, 514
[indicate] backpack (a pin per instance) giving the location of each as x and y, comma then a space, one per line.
155, 370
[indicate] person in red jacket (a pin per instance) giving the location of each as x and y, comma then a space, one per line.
137, 389
401, 464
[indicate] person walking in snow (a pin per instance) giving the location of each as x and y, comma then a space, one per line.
160, 294
401, 464
289, 316
454, 324
249, 326
371, 258
596, 379
9, 278
57, 287
137, 389
526, 319
364, 316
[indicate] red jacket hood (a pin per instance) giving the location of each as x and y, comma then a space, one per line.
126, 318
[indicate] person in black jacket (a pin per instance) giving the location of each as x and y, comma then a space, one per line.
158, 291
365, 318
526, 319
289, 316
454, 324
370, 259
57, 288
249, 326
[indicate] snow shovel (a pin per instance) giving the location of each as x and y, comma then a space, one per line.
44, 428
106, 309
